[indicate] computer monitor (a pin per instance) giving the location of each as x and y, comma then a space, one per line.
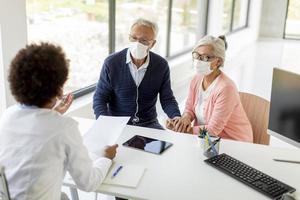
284, 117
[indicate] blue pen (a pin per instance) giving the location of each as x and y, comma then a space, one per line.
117, 171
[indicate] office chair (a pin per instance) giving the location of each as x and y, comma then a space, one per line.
4, 193
257, 110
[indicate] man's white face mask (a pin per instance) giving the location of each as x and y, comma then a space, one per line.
138, 50
202, 67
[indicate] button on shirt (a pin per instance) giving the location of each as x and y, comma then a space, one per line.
137, 73
203, 96
38, 146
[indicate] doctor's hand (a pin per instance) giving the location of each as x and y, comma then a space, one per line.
64, 104
110, 151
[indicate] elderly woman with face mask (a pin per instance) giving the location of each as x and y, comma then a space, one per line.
213, 102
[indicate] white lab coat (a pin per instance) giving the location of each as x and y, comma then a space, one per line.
38, 146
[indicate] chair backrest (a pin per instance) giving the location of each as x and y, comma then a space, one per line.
4, 193
257, 110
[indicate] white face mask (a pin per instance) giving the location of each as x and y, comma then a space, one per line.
138, 50
202, 67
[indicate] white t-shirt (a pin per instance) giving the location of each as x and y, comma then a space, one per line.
203, 96
38, 146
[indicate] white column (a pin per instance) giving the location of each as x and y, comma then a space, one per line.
13, 37
273, 18
202, 17
215, 17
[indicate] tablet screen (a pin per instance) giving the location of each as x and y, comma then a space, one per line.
147, 144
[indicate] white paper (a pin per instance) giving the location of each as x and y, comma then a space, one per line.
128, 176
105, 131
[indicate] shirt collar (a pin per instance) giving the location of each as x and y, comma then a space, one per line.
129, 60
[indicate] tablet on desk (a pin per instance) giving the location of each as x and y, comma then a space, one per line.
148, 144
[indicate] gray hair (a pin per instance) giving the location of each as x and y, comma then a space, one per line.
147, 23
218, 44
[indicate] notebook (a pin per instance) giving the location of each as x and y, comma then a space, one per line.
128, 176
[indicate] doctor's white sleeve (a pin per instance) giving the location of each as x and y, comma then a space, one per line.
87, 174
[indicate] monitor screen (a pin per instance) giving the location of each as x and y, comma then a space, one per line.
284, 118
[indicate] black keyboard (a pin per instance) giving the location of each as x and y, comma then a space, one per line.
254, 178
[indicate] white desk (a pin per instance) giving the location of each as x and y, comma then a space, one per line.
180, 173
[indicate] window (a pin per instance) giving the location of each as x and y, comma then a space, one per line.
235, 14
240, 14
183, 26
292, 27
88, 30
80, 27
129, 10
227, 10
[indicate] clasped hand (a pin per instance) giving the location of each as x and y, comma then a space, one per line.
180, 124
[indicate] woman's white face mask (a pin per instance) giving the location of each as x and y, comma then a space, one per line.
202, 67
138, 50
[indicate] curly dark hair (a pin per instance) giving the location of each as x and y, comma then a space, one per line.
38, 73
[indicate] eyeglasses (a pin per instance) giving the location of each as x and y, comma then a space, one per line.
205, 58
144, 42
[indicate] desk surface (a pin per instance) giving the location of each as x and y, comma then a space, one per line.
180, 173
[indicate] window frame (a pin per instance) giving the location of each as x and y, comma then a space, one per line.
112, 36
233, 30
284, 29
112, 44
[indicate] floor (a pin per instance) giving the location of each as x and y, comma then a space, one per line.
251, 70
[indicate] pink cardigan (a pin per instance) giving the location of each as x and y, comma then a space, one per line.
223, 111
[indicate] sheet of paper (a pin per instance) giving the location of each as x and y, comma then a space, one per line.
128, 176
105, 131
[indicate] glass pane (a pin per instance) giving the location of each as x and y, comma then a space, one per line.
129, 10
80, 27
240, 14
184, 21
227, 10
292, 28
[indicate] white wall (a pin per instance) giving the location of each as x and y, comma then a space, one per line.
13, 37
273, 18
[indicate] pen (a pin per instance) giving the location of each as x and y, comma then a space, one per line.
117, 171
289, 161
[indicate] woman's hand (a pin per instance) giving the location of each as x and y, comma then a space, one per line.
64, 105
110, 151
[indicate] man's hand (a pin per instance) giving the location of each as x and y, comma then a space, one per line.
64, 105
110, 151
170, 124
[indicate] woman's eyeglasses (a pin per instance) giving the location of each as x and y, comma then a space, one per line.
205, 58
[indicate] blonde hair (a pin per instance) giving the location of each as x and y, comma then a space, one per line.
218, 44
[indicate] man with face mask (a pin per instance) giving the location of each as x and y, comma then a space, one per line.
131, 80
